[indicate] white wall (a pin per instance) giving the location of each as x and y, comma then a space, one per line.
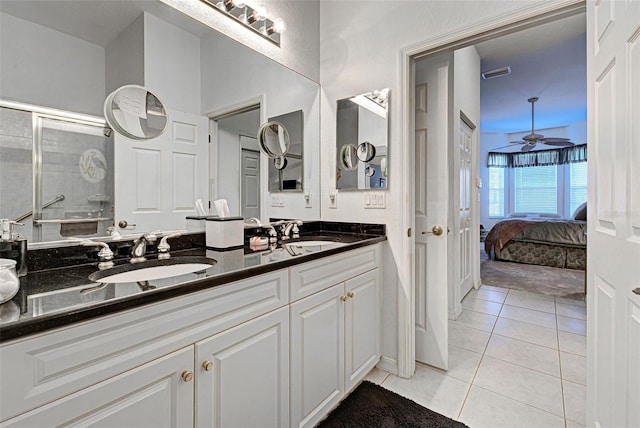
125, 57
49, 68
172, 64
299, 47
360, 49
252, 77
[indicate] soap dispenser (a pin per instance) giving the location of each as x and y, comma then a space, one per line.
12, 246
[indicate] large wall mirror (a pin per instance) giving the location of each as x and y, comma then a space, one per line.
362, 141
60, 59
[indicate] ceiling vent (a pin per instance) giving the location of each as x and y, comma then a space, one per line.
503, 71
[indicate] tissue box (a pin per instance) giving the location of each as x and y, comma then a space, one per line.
225, 232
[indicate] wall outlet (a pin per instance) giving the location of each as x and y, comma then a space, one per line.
333, 199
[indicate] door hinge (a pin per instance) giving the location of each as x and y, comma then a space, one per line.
409, 233
209, 204
209, 138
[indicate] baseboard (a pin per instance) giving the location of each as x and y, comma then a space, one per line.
455, 313
388, 365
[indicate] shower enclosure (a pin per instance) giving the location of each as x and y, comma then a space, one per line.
56, 172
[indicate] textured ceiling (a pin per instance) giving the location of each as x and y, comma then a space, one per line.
549, 62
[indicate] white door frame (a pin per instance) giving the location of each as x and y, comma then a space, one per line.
519, 19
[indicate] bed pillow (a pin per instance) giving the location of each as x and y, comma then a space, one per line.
549, 215
517, 215
580, 213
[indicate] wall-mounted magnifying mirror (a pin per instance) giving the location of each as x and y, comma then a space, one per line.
134, 112
286, 172
361, 141
273, 139
349, 157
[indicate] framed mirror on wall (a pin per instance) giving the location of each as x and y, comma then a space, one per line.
362, 141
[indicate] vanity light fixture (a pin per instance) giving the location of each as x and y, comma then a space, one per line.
254, 18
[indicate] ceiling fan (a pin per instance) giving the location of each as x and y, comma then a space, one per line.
529, 141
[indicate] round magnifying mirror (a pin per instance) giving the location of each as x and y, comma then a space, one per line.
273, 139
366, 151
349, 157
136, 113
280, 162
369, 171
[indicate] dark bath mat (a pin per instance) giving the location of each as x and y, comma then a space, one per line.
370, 405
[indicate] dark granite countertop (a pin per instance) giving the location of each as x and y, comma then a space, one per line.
61, 296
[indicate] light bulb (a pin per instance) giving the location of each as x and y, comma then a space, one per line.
279, 26
238, 3
260, 13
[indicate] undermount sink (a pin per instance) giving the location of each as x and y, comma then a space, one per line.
151, 270
315, 243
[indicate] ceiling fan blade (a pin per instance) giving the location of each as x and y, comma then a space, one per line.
558, 142
528, 147
518, 142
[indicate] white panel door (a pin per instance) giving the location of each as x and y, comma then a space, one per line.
152, 395
431, 213
250, 187
464, 279
362, 337
247, 383
613, 274
157, 181
317, 355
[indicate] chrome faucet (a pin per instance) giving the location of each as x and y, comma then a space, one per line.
163, 246
139, 248
289, 229
105, 254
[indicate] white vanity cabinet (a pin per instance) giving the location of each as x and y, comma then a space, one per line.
243, 375
335, 342
156, 394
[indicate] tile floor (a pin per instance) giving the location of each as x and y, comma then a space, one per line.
516, 359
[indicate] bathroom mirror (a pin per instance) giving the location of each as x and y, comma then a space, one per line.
134, 112
286, 172
50, 61
362, 141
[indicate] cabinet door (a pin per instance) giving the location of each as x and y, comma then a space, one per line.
362, 340
151, 395
317, 355
247, 382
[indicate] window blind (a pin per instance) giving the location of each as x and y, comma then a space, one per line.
536, 189
496, 192
577, 185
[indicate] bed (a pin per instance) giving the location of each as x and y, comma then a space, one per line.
539, 240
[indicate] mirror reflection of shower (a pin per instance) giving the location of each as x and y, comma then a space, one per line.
68, 160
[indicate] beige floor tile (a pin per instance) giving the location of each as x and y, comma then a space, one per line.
532, 295
377, 376
574, 343
572, 325
479, 305
467, 338
524, 354
484, 408
571, 424
571, 311
527, 332
462, 364
543, 319
432, 389
476, 320
494, 288
571, 301
574, 367
530, 303
537, 389
490, 295
575, 402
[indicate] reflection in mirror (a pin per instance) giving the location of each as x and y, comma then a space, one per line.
273, 139
71, 65
134, 112
362, 140
286, 171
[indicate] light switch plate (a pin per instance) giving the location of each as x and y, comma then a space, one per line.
375, 200
333, 199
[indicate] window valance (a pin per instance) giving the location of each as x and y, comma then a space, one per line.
560, 156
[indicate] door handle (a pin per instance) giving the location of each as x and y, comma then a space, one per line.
435, 230
123, 224
637, 291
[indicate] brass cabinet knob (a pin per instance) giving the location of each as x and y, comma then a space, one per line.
350, 294
186, 375
207, 365
343, 298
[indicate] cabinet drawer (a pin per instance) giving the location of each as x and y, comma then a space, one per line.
309, 278
41, 369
